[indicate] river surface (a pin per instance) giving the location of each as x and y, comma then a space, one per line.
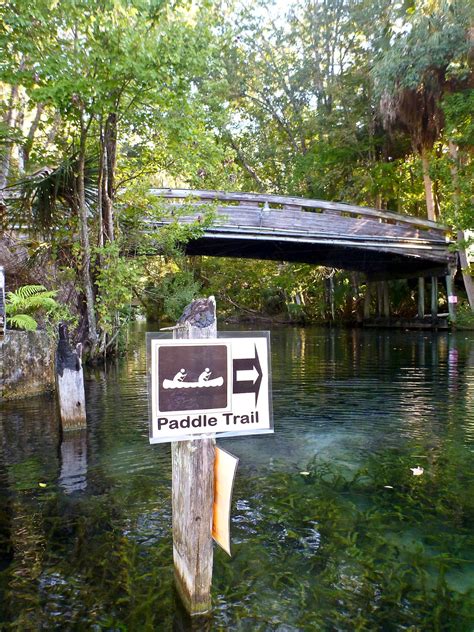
331, 529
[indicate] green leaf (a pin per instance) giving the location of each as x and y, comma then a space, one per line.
22, 321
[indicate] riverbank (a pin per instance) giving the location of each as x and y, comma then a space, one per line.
26, 364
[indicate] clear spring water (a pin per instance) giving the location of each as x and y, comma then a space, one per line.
331, 530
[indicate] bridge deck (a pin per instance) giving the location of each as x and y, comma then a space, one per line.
382, 244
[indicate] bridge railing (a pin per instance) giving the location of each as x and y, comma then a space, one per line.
274, 202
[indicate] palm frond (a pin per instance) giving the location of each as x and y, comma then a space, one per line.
45, 196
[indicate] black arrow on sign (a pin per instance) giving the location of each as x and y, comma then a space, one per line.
252, 385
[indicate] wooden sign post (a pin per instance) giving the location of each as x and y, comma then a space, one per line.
200, 384
193, 487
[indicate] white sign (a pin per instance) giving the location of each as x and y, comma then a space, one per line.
218, 386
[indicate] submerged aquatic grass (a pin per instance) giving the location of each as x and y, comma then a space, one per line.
331, 530
349, 554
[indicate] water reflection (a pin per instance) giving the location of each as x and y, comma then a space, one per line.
73, 474
85, 524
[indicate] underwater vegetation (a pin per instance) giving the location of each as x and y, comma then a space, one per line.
316, 549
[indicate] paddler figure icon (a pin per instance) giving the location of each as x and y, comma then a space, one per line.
203, 380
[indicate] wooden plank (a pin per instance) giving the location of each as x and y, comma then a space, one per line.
302, 202
415, 273
342, 227
225, 466
406, 247
423, 247
309, 221
193, 494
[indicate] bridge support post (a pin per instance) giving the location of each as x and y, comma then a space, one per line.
386, 299
434, 298
331, 297
367, 300
451, 298
421, 297
380, 299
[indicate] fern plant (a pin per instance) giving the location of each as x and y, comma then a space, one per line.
26, 300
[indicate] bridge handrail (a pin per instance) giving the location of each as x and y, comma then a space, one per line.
297, 202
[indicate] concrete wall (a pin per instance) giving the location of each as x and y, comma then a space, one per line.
26, 364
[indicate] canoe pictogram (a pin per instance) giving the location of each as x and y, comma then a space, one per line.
203, 381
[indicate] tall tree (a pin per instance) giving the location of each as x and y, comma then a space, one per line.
427, 51
122, 76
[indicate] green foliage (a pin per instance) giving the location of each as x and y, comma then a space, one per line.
464, 317
214, 96
175, 292
433, 37
29, 302
116, 281
48, 196
22, 321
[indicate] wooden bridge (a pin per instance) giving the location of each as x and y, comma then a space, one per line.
381, 244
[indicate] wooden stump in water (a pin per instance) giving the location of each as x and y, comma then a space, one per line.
193, 488
70, 383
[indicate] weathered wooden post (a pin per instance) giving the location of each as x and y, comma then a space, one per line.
193, 487
367, 299
386, 299
452, 299
3, 316
434, 297
421, 297
199, 385
70, 383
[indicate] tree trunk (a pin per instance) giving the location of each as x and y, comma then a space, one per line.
5, 157
430, 203
466, 275
53, 131
107, 180
85, 243
467, 278
25, 149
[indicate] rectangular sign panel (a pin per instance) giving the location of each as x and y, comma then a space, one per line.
225, 465
208, 386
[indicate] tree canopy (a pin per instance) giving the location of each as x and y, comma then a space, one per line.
364, 102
